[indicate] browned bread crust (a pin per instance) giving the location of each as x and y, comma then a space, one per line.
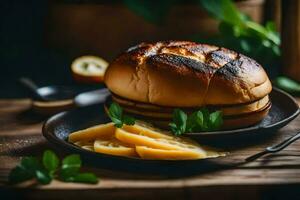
186, 74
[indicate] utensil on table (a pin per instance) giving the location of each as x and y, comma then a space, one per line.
274, 148
52, 99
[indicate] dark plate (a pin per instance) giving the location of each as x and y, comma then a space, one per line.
57, 128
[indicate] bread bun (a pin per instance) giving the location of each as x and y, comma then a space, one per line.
186, 74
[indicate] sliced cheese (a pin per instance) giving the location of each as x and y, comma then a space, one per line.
158, 143
92, 133
147, 131
114, 147
161, 154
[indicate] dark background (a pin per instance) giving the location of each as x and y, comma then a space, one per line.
23, 51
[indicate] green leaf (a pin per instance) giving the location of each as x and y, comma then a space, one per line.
230, 13
205, 113
128, 120
213, 7
19, 174
178, 126
195, 122
276, 50
115, 111
215, 120
287, 84
31, 164
43, 177
28, 168
224, 10
270, 26
245, 45
118, 123
262, 32
50, 161
70, 165
83, 178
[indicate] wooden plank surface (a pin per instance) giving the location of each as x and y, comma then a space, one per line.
20, 135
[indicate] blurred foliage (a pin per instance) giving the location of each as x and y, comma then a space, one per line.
239, 32
236, 30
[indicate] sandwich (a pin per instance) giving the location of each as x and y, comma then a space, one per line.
150, 80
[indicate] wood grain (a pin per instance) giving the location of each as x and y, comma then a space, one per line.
20, 135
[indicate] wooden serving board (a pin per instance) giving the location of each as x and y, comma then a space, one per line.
20, 135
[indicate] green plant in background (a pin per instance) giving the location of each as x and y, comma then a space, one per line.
238, 32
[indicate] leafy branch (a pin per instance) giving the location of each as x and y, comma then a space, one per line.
49, 168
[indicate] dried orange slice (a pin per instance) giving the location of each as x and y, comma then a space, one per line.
114, 147
92, 133
89, 69
161, 154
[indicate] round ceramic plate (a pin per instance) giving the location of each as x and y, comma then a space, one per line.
58, 127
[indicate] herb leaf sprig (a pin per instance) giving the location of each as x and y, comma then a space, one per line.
48, 168
201, 120
115, 113
178, 126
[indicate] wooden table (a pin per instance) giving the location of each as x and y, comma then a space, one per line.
273, 176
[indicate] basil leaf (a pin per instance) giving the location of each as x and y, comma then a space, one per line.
19, 174
205, 113
70, 165
179, 119
31, 164
118, 123
43, 177
50, 161
128, 120
83, 178
115, 111
195, 122
175, 130
215, 120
